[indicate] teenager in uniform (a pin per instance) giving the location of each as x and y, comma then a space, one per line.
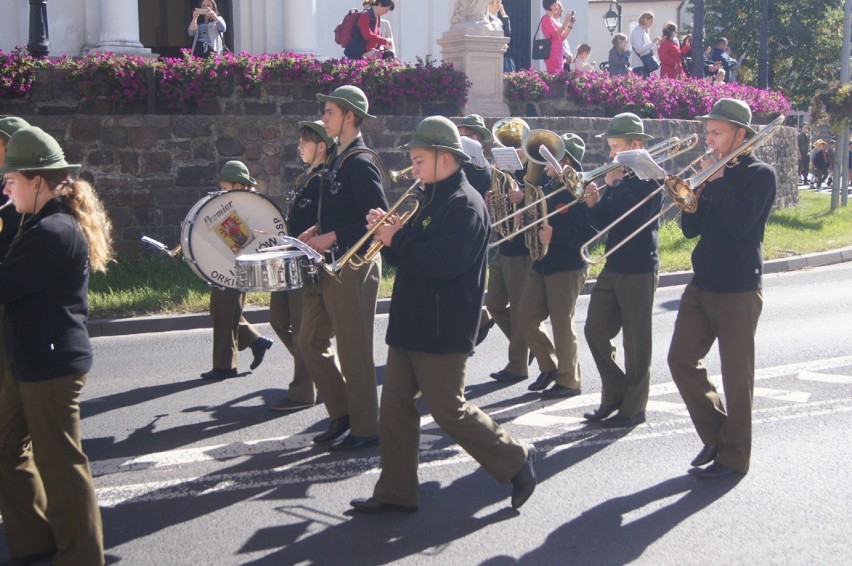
285, 307
47, 496
724, 299
440, 258
346, 379
554, 283
232, 333
623, 295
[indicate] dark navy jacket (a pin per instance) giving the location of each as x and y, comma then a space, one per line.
440, 258
44, 284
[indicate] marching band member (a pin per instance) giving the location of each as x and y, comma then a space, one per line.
440, 259
724, 299
232, 333
623, 295
47, 496
554, 283
352, 186
507, 272
285, 307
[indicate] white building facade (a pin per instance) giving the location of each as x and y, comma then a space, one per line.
153, 27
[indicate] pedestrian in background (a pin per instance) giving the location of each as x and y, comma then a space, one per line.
499, 20
641, 45
803, 143
819, 163
47, 496
206, 28
619, 56
557, 31
670, 53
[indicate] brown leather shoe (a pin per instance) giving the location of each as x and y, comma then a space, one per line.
601, 412
707, 455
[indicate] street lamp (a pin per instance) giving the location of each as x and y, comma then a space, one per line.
612, 18
39, 42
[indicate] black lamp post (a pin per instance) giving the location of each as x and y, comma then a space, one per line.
612, 18
39, 40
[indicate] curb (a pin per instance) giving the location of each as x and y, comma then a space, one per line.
168, 323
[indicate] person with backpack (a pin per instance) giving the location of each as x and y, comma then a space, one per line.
366, 40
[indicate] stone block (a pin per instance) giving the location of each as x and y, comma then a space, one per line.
86, 129
253, 151
229, 147
156, 162
117, 137
196, 175
259, 108
270, 133
192, 126
143, 138
121, 217
204, 151
146, 216
129, 161
100, 158
272, 166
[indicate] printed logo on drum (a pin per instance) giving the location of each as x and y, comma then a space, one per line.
219, 214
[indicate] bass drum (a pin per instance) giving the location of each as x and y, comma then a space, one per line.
224, 225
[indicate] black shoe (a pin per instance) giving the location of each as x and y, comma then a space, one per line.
483, 331
601, 412
620, 421
258, 350
219, 374
561, 391
523, 484
506, 376
335, 430
707, 455
543, 381
351, 443
287, 404
714, 470
374, 506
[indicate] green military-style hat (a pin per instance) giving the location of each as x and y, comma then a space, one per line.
626, 125
319, 128
11, 124
33, 149
236, 172
575, 148
350, 98
439, 133
476, 123
731, 110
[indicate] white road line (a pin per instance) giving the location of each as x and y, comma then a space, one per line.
543, 416
311, 472
825, 377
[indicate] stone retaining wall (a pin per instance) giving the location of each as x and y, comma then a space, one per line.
151, 164
151, 168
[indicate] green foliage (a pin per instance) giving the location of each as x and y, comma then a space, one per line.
805, 39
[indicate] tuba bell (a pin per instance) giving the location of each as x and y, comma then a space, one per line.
510, 132
532, 145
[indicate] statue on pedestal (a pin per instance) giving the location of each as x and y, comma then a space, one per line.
468, 11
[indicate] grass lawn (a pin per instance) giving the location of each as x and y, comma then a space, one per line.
156, 284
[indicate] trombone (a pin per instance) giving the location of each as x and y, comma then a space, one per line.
577, 182
684, 193
351, 259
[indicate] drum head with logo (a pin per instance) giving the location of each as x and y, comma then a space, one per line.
224, 225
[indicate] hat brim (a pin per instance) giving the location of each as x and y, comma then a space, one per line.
320, 130
630, 136
749, 130
343, 103
415, 144
9, 167
485, 133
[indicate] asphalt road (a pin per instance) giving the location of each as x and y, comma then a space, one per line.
189, 472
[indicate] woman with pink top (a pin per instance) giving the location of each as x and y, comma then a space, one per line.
552, 29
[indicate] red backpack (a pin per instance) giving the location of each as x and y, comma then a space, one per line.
343, 32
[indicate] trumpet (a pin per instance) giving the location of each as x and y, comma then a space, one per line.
4, 205
683, 193
396, 176
577, 182
351, 259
